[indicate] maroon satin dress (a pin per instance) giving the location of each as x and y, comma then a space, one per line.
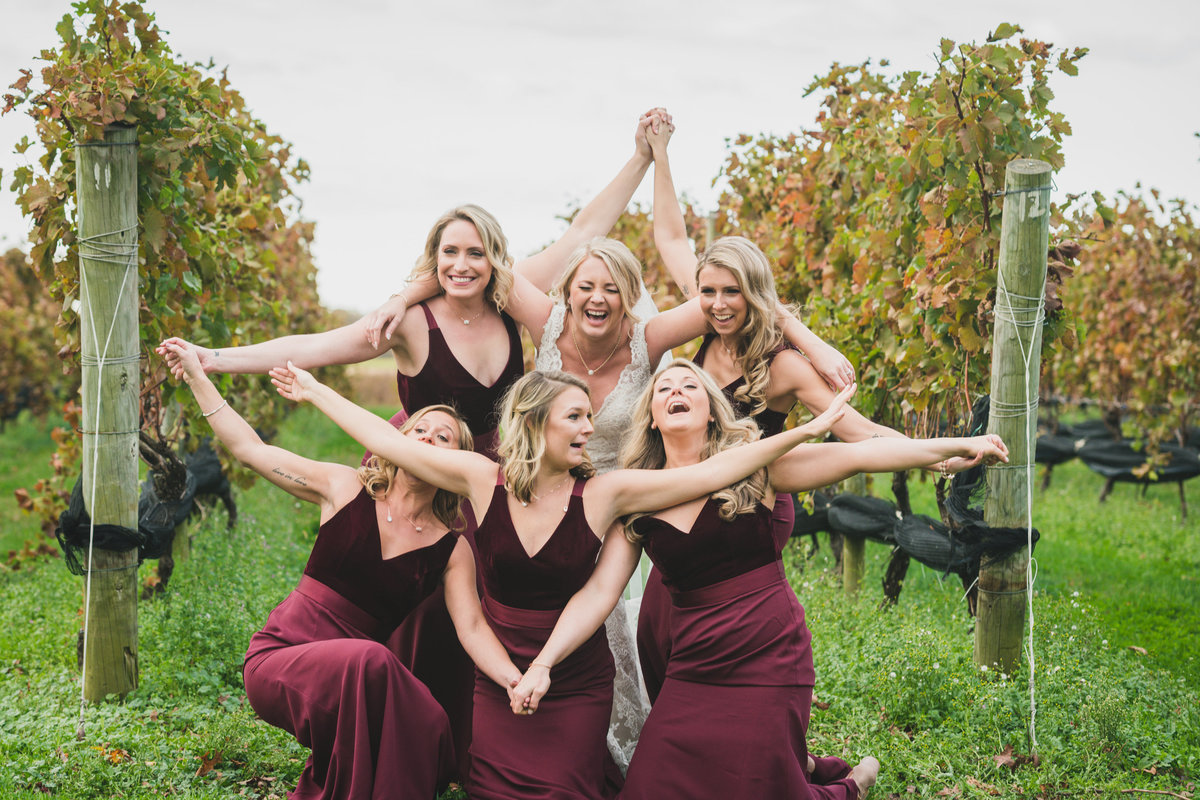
559, 753
426, 642
320, 670
654, 614
731, 720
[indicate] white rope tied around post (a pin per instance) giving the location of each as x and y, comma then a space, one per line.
97, 248
1028, 318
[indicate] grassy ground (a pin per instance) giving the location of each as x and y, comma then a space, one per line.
897, 684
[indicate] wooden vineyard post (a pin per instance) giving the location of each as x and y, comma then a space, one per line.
106, 194
854, 548
1016, 365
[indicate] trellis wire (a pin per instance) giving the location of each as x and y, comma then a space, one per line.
96, 248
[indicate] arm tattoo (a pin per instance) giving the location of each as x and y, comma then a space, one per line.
299, 480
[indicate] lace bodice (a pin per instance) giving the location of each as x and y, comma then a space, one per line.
613, 418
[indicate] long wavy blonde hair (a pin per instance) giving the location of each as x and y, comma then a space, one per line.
378, 474
525, 412
495, 247
761, 332
644, 448
622, 264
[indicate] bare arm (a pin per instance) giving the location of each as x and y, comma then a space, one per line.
674, 327
458, 471
344, 345
834, 367
312, 481
598, 216
814, 465
462, 601
582, 616
626, 490
387, 318
670, 230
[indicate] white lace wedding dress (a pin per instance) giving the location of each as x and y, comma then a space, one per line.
630, 703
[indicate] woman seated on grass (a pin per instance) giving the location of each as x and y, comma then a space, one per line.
732, 718
319, 668
541, 515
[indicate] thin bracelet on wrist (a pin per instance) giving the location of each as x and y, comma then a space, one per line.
207, 414
539, 664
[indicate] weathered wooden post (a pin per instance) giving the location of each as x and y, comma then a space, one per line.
854, 548
1016, 365
106, 194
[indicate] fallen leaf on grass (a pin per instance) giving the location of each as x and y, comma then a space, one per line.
1005, 758
981, 786
1141, 651
950, 791
207, 762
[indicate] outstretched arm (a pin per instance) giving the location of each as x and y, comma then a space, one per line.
583, 615
313, 481
458, 471
628, 490
344, 345
598, 216
815, 465
478, 639
670, 230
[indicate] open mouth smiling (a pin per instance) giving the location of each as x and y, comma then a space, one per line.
677, 406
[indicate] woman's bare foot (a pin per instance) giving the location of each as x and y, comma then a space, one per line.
864, 774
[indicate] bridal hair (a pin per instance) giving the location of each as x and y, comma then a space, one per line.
378, 474
623, 266
495, 247
525, 412
761, 332
644, 448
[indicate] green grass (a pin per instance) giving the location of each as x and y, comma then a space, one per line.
898, 684
25, 451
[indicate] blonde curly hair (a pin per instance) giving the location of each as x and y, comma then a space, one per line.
525, 412
495, 247
644, 449
378, 474
761, 332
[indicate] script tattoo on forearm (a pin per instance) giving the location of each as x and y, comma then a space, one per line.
296, 479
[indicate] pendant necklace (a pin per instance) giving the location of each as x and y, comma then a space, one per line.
590, 370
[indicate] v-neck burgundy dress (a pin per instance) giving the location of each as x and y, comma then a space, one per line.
732, 717
319, 668
559, 753
654, 616
426, 642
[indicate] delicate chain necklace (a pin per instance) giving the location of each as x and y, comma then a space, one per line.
415, 526
590, 370
731, 353
466, 320
557, 486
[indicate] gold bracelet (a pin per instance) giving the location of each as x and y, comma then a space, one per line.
533, 664
399, 294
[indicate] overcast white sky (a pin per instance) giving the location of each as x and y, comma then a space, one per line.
406, 109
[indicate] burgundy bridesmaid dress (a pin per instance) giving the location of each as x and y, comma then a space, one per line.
320, 670
731, 719
558, 753
654, 615
426, 642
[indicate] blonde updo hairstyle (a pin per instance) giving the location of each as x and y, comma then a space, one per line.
761, 332
378, 474
495, 247
644, 448
525, 413
622, 264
